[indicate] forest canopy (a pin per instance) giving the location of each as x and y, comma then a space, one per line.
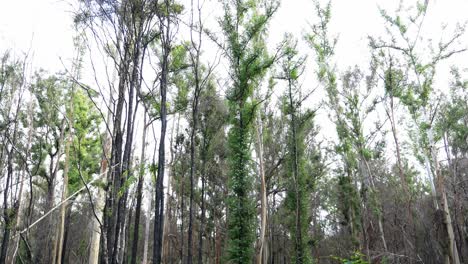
183, 132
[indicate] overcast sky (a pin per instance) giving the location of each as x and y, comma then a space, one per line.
46, 25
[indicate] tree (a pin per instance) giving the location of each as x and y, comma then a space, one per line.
416, 96
201, 77
451, 126
263, 155
348, 196
300, 123
12, 83
167, 18
129, 24
244, 26
85, 150
393, 79
212, 120
50, 121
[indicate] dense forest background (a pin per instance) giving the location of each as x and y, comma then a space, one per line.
179, 132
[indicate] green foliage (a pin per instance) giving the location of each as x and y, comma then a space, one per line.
240, 202
419, 67
356, 258
451, 122
49, 120
347, 103
244, 27
179, 58
393, 81
129, 181
300, 180
53, 105
172, 8
86, 147
323, 46
349, 205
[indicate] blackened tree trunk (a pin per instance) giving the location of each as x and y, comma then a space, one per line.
165, 26
139, 195
192, 165
202, 206
7, 213
64, 256
195, 59
113, 183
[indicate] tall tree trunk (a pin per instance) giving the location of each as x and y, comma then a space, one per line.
63, 207
263, 204
123, 257
147, 230
195, 57
9, 214
192, 180
202, 207
139, 195
391, 116
298, 249
159, 189
114, 179
167, 248
24, 168
64, 257
192, 160
47, 251
126, 171
379, 217
452, 250
182, 218
97, 228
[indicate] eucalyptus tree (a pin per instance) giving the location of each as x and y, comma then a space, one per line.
50, 124
85, 149
139, 190
22, 218
417, 94
180, 77
212, 119
300, 122
12, 91
201, 77
124, 29
452, 127
262, 251
359, 103
97, 225
323, 46
393, 79
167, 19
244, 26
176, 74
76, 68
271, 128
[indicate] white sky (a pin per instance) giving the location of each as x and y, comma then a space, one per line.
46, 25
